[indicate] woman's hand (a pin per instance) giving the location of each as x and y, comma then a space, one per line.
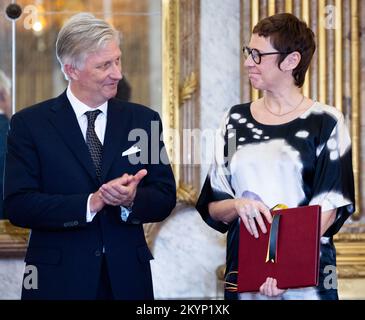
250, 212
269, 288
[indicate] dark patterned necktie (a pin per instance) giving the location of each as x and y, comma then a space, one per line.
92, 140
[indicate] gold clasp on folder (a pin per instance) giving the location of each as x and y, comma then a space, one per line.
279, 206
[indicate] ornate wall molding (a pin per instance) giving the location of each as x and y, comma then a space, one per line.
181, 86
170, 80
187, 194
13, 240
188, 88
351, 255
189, 98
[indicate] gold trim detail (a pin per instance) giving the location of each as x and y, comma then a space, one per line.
187, 194
355, 96
271, 8
350, 248
8, 228
322, 52
188, 88
255, 10
351, 271
13, 240
351, 259
170, 79
289, 6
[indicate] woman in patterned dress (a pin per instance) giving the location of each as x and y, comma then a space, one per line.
282, 148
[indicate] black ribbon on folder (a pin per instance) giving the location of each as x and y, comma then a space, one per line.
273, 239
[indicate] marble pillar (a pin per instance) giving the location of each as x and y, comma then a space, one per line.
220, 64
11, 274
187, 253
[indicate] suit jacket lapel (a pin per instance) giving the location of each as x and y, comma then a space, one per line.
64, 120
116, 134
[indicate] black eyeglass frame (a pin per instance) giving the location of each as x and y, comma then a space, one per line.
247, 51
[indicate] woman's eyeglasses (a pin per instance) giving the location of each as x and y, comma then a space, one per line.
256, 54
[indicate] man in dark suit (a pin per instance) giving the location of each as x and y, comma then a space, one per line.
70, 178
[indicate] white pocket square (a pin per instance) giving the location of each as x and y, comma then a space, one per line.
131, 150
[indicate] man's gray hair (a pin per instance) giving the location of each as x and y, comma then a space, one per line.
81, 35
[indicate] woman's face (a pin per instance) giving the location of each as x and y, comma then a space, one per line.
266, 75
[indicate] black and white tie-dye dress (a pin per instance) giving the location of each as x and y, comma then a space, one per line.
306, 161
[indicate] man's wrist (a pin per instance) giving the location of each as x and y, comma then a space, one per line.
96, 203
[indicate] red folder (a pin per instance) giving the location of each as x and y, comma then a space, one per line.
297, 251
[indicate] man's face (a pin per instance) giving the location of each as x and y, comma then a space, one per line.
97, 80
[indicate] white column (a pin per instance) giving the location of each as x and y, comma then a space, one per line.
220, 63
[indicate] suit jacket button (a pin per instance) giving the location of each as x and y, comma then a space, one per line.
97, 253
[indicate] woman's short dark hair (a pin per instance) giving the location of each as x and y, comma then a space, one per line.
288, 34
